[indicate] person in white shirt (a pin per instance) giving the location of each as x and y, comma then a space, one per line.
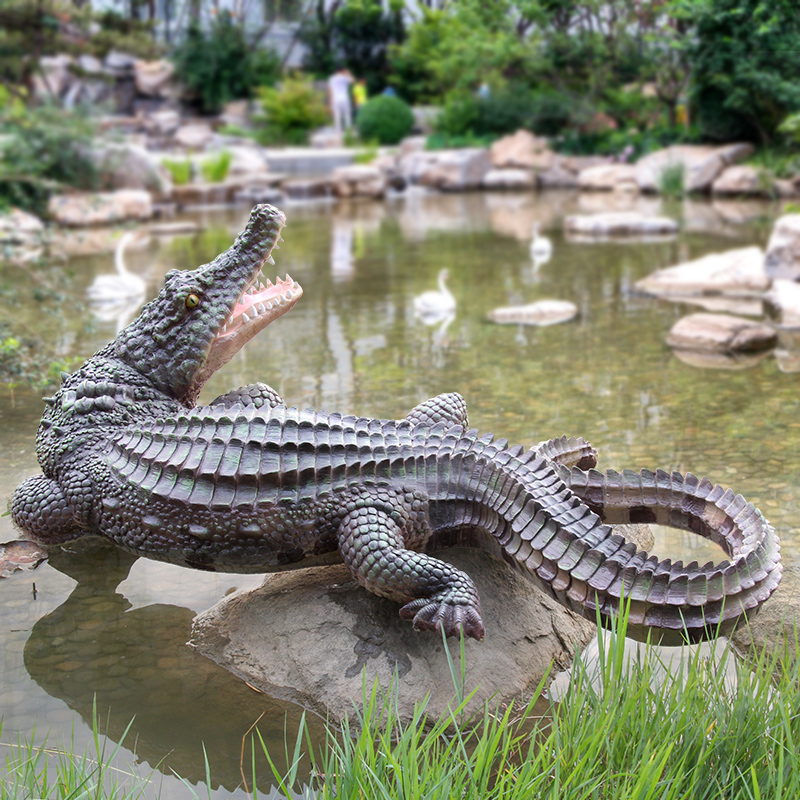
339, 94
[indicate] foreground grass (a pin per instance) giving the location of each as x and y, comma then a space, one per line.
617, 734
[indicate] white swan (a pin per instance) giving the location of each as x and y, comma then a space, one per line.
433, 306
108, 289
541, 246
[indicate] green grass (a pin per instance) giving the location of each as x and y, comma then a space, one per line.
214, 168
618, 734
671, 180
179, 169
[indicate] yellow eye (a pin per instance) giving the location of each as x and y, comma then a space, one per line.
192, 301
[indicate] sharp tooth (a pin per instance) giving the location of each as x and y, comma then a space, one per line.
269, 283
269, 305
271, 260
287, 279
261, 287
245, 318
261, 308
289, 294
280, 238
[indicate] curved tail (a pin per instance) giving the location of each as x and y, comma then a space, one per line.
554, 519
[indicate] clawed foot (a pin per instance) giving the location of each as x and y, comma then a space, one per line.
432, 614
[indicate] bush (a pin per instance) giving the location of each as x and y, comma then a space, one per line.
214, 168
290, 112
47, 149
221, 65
385, 119
504, 111
179, 169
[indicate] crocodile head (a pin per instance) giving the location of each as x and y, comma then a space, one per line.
201, 318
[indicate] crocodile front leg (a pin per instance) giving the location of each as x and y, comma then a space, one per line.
450, 407
40, 507
255, 394
437, 595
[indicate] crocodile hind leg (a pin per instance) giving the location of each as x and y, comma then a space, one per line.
448, 408
437, 595
41, 509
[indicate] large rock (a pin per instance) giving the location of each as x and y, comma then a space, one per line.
608, 178
542, 312
358, 180
509, 178
619, 223
18, 228
314, 637
783, 250
736, 272
742, 179
721, 333
153, 78
702, 164
455, 170
522, 150
782, 302
100, 208
194, 136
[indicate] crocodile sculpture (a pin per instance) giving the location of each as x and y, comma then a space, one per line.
247, 484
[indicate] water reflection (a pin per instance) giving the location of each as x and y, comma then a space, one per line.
133, 665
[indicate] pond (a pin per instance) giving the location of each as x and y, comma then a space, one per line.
116, 641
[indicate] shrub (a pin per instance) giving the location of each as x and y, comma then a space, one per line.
47, 148
221, 65
214, 168
384, 118
671, 180
291, 111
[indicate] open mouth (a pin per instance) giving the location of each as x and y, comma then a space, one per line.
259, 305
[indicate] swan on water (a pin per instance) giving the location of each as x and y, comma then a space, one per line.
122, 286
435, 303
541, 246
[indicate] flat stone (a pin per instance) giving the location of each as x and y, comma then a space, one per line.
100, 208
542, 313
18, 227
742, 179
315, 637
509, 179
736, 272
522, 150
309, 189
619, 223
702, 164
721, 333
359, 180
706, 359
124, 165
783, 249
782, 302
153, 77
608, 178
195, 136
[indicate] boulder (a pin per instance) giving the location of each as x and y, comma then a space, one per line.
564, 170
153, 77
736, 272
358, 180
509, 178
608, 178
522, 150
783, 249
247, 162
123, 165
100, 208
782, 302
455, 170
542, 312
315, 637
787, 353
195, 136
702, 164
707, 359
721, 333
742, 179
619, 223
18, 228
162, 122
53, 77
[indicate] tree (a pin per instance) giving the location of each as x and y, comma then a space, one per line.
745, 62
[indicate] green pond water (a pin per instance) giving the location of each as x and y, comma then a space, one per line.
113, 632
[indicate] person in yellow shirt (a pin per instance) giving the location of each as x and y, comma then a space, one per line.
359, 94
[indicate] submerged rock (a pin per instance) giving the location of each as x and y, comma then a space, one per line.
782, 302
619, 223
721, 333
314, 637
18, 555
542, 312
736, 272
